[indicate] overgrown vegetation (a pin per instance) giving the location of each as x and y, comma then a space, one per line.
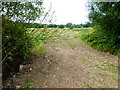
43, 36
105, 17
18, 41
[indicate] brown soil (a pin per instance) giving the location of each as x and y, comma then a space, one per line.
68, 63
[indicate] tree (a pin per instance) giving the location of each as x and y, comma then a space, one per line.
45, 26
52, 25
68, 25
61, 26
105, 16
22, 11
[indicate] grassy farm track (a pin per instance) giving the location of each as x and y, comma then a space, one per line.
68, 63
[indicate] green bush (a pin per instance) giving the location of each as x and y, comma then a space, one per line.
99, 41
16, 41
105, 17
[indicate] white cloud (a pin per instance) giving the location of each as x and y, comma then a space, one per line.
66, 11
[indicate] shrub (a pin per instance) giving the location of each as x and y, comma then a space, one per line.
16, 45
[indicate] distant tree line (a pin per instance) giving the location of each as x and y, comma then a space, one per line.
68, 25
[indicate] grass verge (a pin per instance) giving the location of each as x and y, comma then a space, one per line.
97, 40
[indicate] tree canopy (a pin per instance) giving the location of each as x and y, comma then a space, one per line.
105, 17
22, 11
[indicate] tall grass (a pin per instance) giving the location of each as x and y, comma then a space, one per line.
19, 43
97, 40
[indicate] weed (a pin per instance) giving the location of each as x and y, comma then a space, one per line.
30, 84
108, 67
112, 64
1, 75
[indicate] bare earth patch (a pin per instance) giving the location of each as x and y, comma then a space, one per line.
68, 63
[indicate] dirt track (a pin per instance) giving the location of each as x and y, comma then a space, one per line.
69, 63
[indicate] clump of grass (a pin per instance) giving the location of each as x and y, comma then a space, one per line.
38, 47
108, 67
30, 84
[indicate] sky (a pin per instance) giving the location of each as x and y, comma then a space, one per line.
74, 11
